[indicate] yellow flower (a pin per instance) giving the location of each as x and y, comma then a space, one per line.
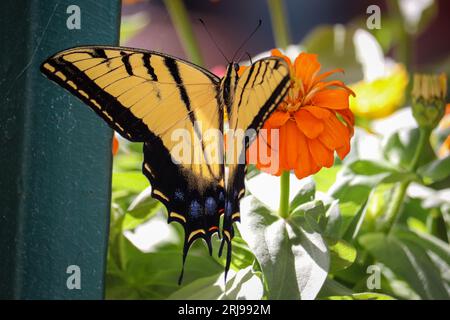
444, 149
381, 97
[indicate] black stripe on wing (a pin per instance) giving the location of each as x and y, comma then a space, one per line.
104, 104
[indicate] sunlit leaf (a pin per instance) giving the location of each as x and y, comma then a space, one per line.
370, 168
243, 285
325, 178
305, 194
363, 296
294, 259
342, 254
133, 181
409, 262
436, 170
334, 221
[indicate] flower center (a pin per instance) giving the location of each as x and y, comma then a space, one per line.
295, 98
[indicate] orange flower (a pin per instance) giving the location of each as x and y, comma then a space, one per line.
115, 145
314, 121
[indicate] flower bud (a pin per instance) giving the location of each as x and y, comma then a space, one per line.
428, 99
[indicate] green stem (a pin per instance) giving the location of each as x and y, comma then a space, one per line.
180, 19
283, 210
424, 136
393, 212
404, 48
279, 23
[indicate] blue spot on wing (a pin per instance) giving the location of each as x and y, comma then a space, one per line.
179, 195
196, 209
211, 206
228, 208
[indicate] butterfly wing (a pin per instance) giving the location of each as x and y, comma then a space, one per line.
259, 90
167, 103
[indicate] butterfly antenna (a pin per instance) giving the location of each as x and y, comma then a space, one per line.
248, 38
249, 57
212, 39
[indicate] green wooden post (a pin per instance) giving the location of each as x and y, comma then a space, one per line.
55, 155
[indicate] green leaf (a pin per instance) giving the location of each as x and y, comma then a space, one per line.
355, 225
311, 213
342, 254
305, 194
294, 259
427, 242
409, 262
363, 296
130, 161
155, 275
242, 257
353, 189
325, 178
370, 168
141, 209
399, 148
333, 221
334, 290
133, 181
436, 170
332, 287
213, 288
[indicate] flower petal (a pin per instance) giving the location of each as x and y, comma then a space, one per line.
331, 99
318, 112
291, 141
324, 75
277, 119
322, 156
339, 134
304, 167
306, 68
310, 125
330, 140
348, 116
343, 151
277, 53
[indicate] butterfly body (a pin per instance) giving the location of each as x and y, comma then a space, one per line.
166, 102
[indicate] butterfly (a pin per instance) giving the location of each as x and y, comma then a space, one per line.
150, 97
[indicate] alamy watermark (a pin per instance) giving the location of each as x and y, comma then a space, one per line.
73, 21
374, 20
74, 279
212, 146
373, 282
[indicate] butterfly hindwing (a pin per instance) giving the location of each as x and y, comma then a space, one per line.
154, 98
